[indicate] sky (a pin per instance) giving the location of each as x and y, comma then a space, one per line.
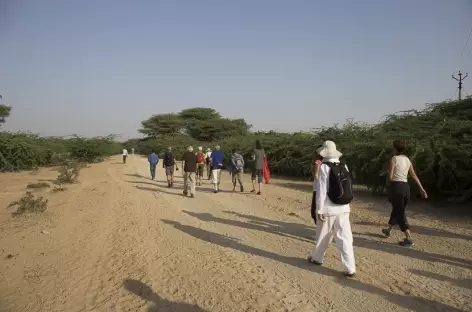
93, 67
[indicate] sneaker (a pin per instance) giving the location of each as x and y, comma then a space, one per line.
258, 193
406, 243
310, 259
349, 275
386, 232
215, 191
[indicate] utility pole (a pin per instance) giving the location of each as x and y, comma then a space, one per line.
460, 82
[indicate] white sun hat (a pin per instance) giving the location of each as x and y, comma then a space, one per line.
328, 150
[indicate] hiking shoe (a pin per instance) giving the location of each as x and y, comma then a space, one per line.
349, 275
310, 259
386, 232
242, 188
406, 243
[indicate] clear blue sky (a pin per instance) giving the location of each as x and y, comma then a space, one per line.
97, 67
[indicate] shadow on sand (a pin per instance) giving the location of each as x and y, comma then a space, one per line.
158, 304
408, 302
417, 229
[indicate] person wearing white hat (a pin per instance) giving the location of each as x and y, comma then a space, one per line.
333, 195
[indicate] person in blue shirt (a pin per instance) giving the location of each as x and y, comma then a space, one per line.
216, 167
153, 160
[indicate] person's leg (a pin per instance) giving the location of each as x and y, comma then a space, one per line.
394, 198
259, 181
186, 183
344, 242
214, 173
233, 179
240, 181
191, 177
402, 220
219, 178
322, 243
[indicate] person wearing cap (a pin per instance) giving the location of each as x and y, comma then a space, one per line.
208, 162
216, 167
200, 165
334, 217
189, 165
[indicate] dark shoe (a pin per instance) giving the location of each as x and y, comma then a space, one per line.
310, 259
185, 193
258, 193
215, 191
386, 232
242, 188
406, 243
350, 275
253, 191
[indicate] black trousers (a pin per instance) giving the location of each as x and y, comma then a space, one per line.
313, 207
399, 196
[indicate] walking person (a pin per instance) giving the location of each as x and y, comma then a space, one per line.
216, 166
237, 169
333, 195
200, 165
208, 162
258, 168
315, 171
189, 165
125, 155
153, 160
169, 164
399, 191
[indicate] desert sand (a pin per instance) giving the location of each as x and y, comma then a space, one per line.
117, 241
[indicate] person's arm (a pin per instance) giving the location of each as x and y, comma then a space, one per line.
417, 181
316, 171
149, 158
321, 191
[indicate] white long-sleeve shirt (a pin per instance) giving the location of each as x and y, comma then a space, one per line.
323, 204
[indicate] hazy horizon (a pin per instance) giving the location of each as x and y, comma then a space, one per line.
101, 67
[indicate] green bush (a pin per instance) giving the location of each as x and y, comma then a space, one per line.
23, 151
439, 138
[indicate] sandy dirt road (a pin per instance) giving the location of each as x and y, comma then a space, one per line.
118, 241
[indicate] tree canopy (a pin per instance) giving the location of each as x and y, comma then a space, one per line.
199, 123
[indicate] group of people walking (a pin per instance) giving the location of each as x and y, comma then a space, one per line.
332, 194
194, 163
332, 190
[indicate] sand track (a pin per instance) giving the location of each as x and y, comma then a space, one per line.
118, 241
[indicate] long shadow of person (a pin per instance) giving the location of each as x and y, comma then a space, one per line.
208, 217
290, 228
418, 229
158, 304
464, 283
409, 302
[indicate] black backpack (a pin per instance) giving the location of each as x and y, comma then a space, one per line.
340, 184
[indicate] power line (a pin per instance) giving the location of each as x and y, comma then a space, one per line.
465, 45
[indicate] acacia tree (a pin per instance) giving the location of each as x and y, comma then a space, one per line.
200, 123
162, 125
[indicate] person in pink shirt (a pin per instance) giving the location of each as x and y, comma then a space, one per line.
316, 167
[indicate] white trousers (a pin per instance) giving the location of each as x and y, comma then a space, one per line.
216, 175
340, 226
